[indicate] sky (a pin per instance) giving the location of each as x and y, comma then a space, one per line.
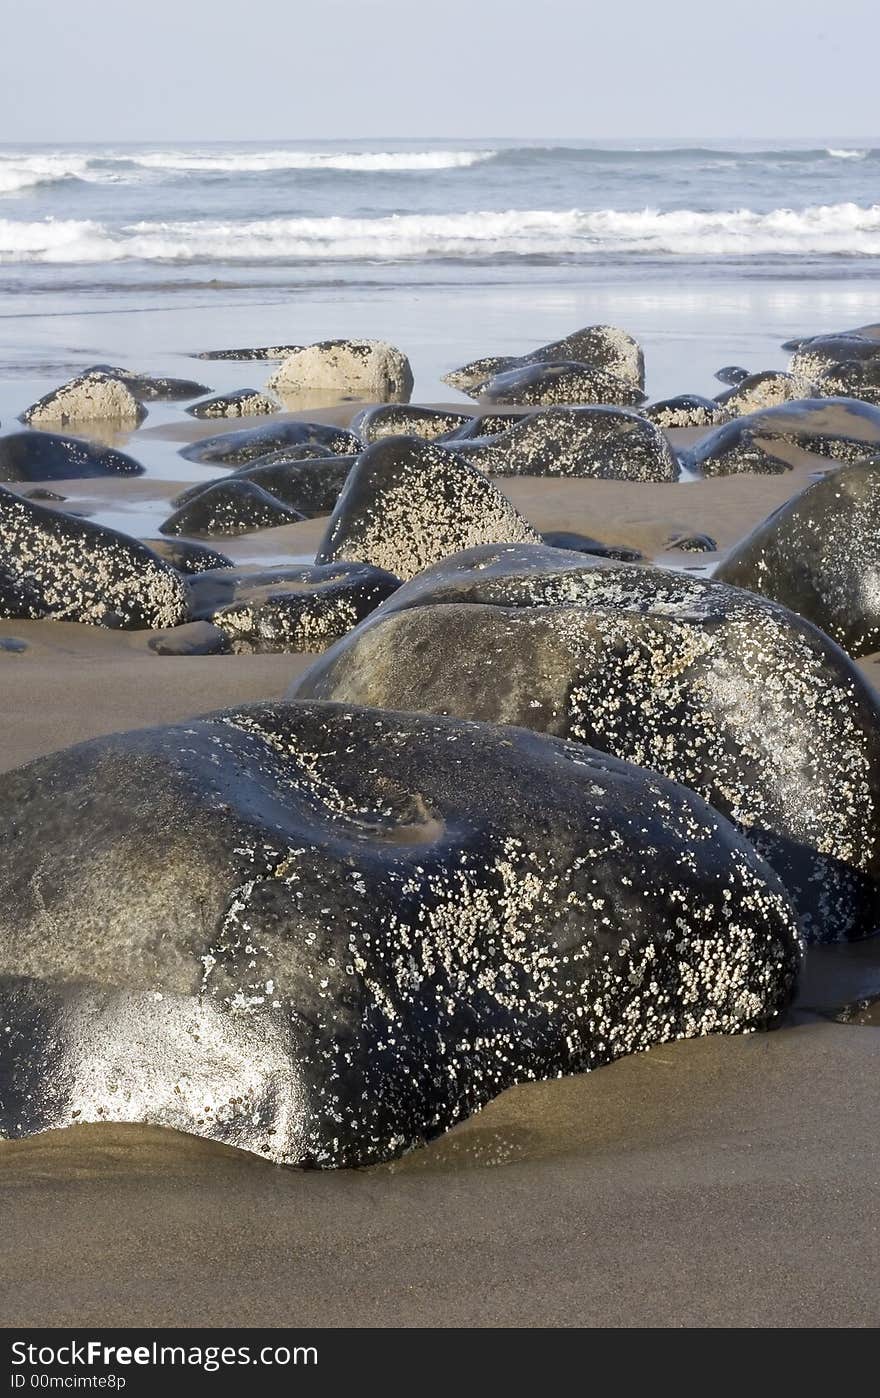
224, 70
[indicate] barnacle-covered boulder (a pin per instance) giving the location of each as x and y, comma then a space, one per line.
56, 565
609, 443
725, 692
604, 346
327, 934
819, 554
408, 503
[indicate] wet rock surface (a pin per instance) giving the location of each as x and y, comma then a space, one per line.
153, 387
311, 487
565, 382
725, 692
766, 389
247, 445
55, 565
406, 420
820, 555
608, 443
240, 402
229, 507
407, 504
47, 456
188, 557
774, 440
686, 410
289, 608
603, 346
250, 933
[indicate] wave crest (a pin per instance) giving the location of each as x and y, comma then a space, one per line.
830, 229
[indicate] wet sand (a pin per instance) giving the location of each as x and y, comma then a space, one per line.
716, 1182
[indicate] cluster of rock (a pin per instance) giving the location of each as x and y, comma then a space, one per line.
533, 806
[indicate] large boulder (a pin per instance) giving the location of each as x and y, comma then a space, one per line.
609, 443
819, 554
727, 693
91, 397
326, 934
289, 608
407, 504
604, 346
560, 382
793, 434
57, 566
47, 456
370, 371
229, 507
248, 444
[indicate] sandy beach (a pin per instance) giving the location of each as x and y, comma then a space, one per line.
712, 1182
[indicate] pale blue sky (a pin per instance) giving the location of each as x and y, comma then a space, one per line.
81, 70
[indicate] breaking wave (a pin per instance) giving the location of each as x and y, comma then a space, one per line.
829, 229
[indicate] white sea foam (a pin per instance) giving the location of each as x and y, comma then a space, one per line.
245, 162
831, 229
847, 154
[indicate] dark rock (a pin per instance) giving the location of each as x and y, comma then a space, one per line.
246, 445
763, 390
582, 543
609, 443
732, 374
326, 935
560, 382
686, 410
823, 352
48, 495
309, 487
692, 543
12, 645
407, 503
852, 380
240, 402
229, 507
188, 557
727, 693
54, 565
405, 420
290, 608
260, 352
604, 346
153, 388
47, 456
193, 638
819, 554
772, 441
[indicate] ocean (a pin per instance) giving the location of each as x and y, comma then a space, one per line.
709, 253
